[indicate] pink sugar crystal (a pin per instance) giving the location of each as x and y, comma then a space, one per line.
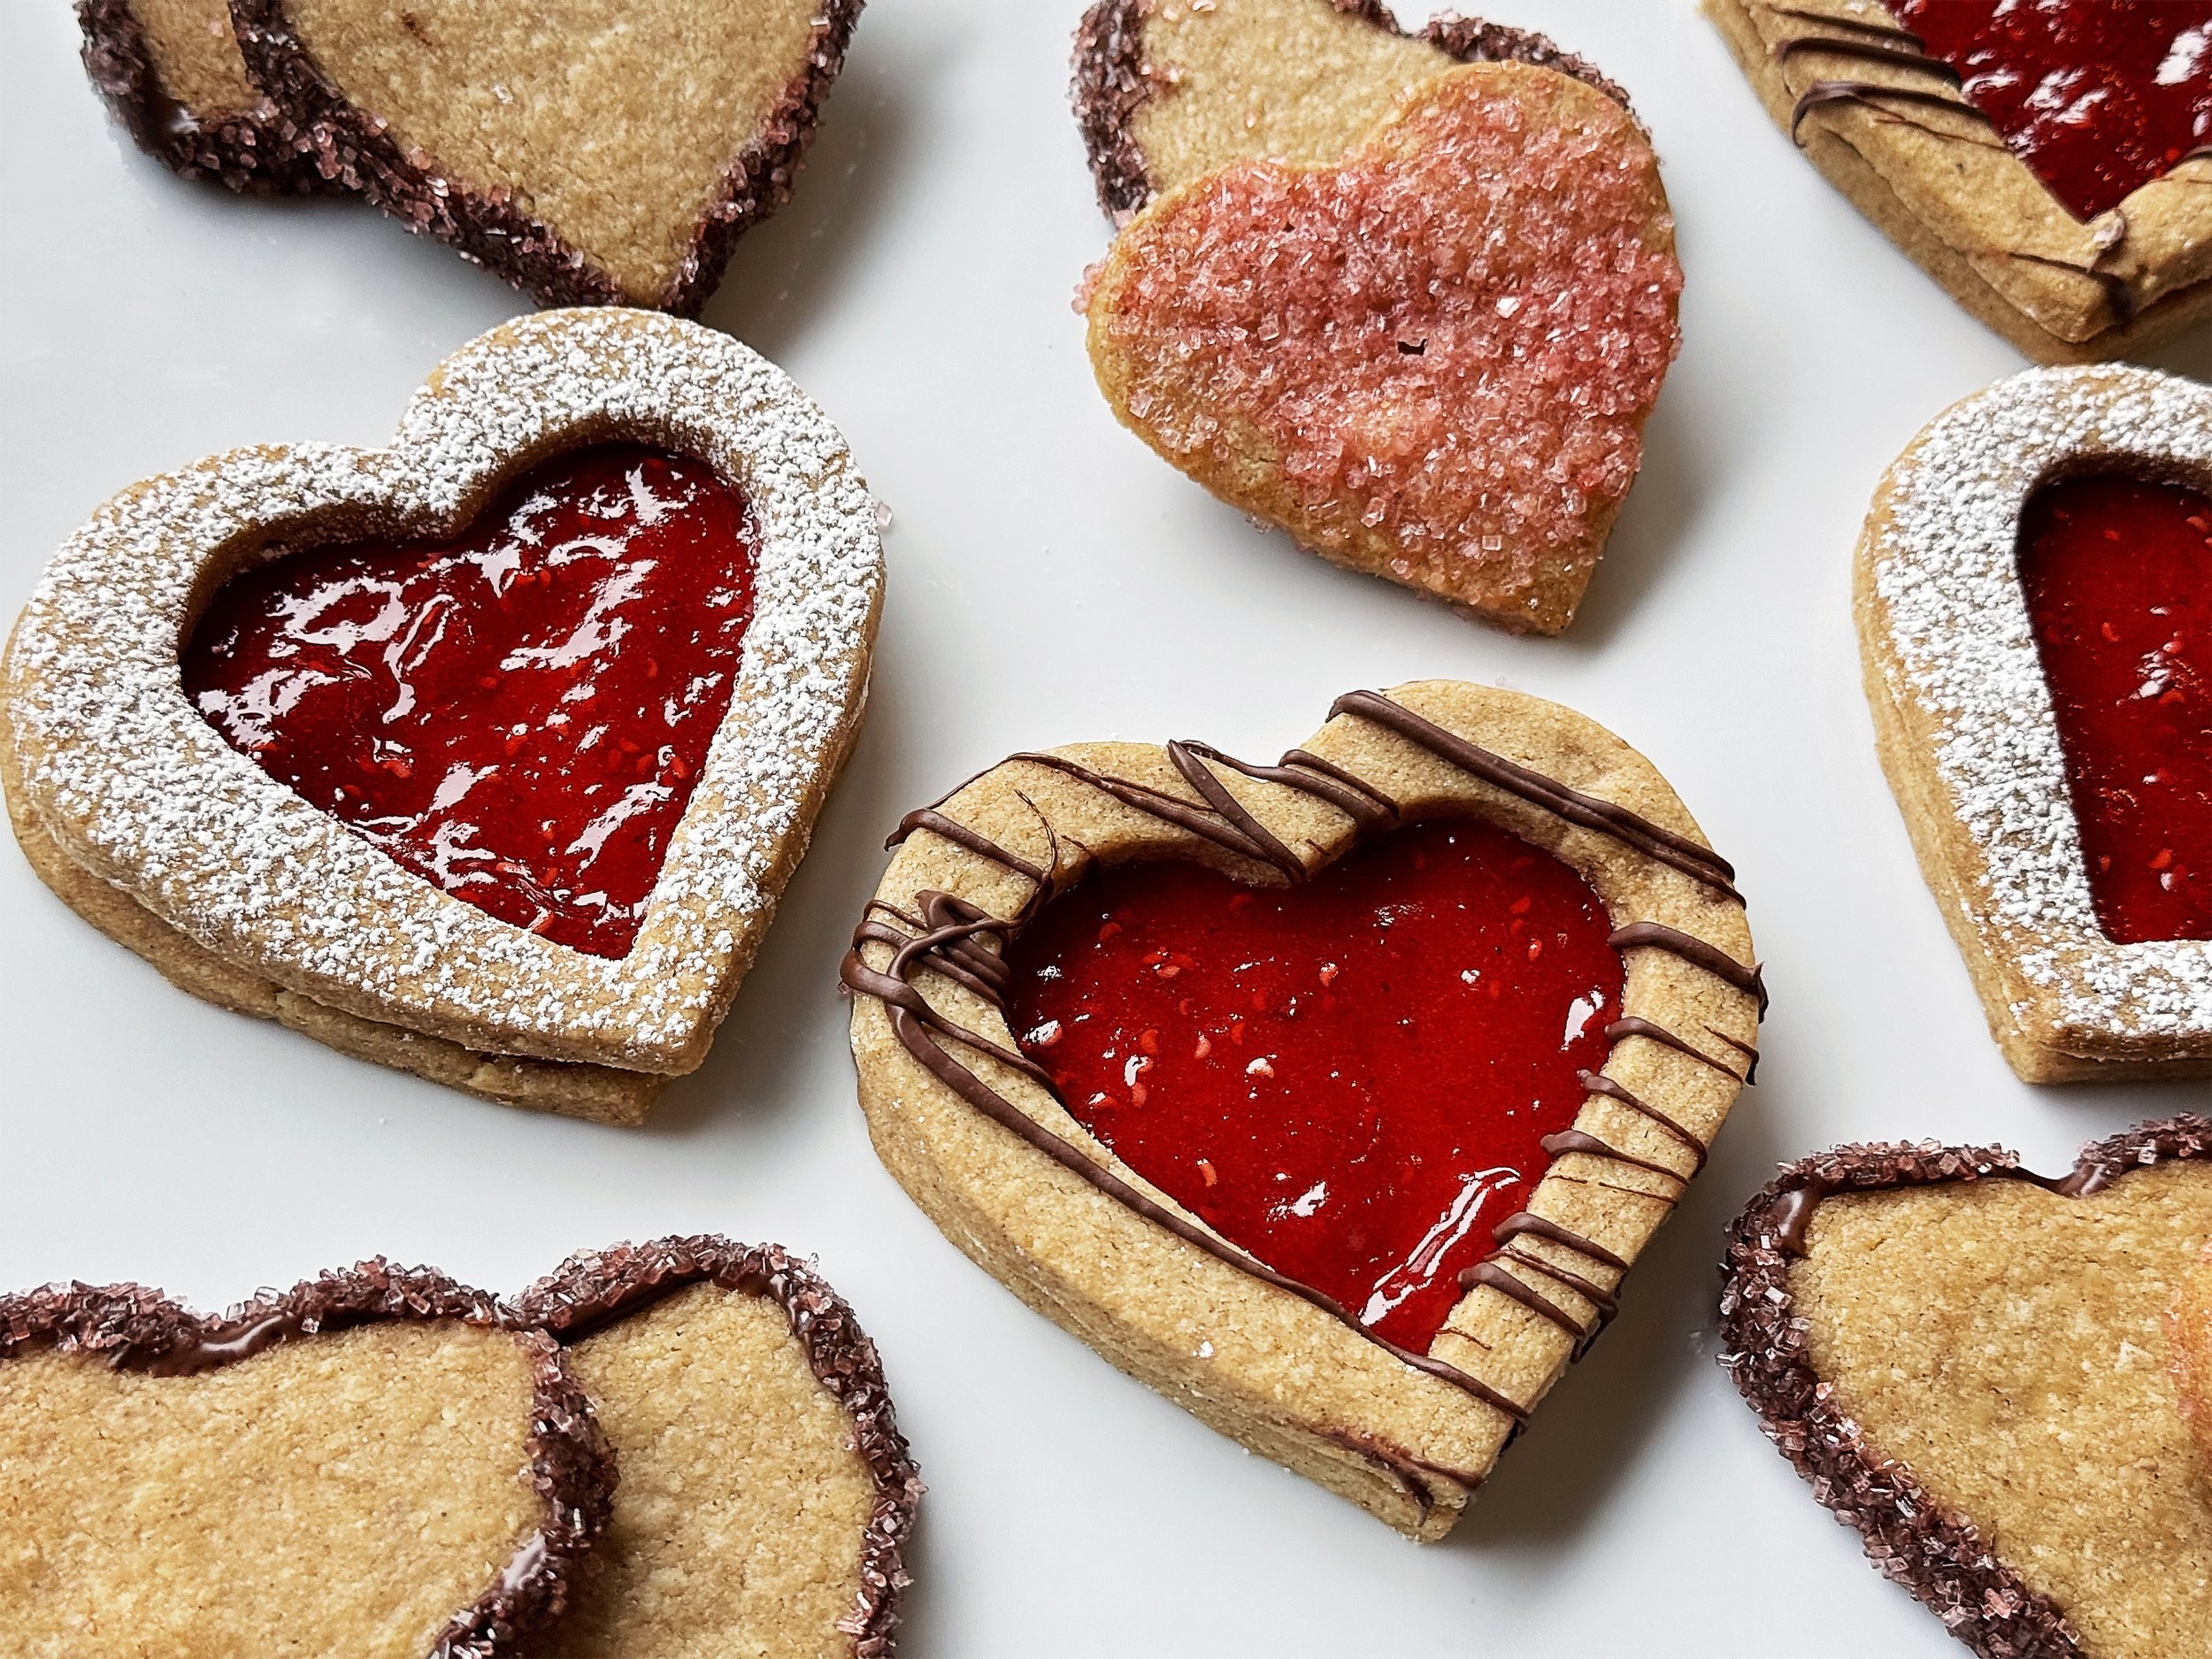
1452, 340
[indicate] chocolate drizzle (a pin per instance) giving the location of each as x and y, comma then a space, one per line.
1935, 1552
1697, 952
594, 1291
947, 937
1634, 1025
129, 1328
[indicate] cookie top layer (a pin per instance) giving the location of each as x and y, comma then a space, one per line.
1971, 1364
130, 781
766, 1491
1166, 90
375, 1464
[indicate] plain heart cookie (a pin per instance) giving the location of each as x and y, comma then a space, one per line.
766, 1496
1332, 1098
590, 152
1166, 90
2045, 164
2034, 599
376, 1465
484, 755
1429, 359
1974, 1366
170, 71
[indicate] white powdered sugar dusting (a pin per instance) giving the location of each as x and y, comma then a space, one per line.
1947, 573
132, 783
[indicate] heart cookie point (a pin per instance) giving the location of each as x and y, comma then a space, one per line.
1351, 1079
1452, 397
518, 715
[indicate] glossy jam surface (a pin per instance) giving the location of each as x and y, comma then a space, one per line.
2098, 96
1452, 340
519, 714
1348, 1080
2118, 576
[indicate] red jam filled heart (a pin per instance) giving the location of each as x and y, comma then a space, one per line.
1349, 1079
2118, 576
2098, 96
519, 714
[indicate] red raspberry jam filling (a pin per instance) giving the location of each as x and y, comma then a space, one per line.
1349, 1079
2098, 96
517, 714
1456, 338
2118, 576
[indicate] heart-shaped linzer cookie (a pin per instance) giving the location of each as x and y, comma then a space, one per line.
1332, 1098
375, 1464
2044, 163
1165, 93
588, 151
2034, 594
490, 752
1431, 360
766, 1493
1976, 1367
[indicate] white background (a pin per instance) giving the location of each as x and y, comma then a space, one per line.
1052, 581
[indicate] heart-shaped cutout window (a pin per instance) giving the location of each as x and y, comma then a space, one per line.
1351, 1079
2117, 571
519, 713
2097, 96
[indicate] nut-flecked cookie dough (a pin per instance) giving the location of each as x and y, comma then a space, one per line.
375, 1464
766, 1493
971, 1126
1972, 1364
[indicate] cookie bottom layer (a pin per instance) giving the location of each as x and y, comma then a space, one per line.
1846, 169
601, 1093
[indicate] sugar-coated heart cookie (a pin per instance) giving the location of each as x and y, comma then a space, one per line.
1974, 1366
375, 1465
1332, 1098
588, 152
170, 70
1166, 90
2034, 596
766, 1493
1431, 359
2043, 163
490, 752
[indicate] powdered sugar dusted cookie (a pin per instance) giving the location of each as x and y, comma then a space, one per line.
1332, 1098
1453, 398
2043, 163
588, 152
1974, 1366
766, 1493
489, 753
374, 1463
2035, 621
1166, 90
170, 70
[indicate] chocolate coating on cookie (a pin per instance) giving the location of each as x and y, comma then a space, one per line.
1113, 79
597, 1289
252, 152
1936, 1553
135, 1328
353, 145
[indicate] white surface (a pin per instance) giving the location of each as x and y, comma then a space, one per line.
1051, 580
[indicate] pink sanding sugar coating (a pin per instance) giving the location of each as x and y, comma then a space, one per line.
1453, 339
